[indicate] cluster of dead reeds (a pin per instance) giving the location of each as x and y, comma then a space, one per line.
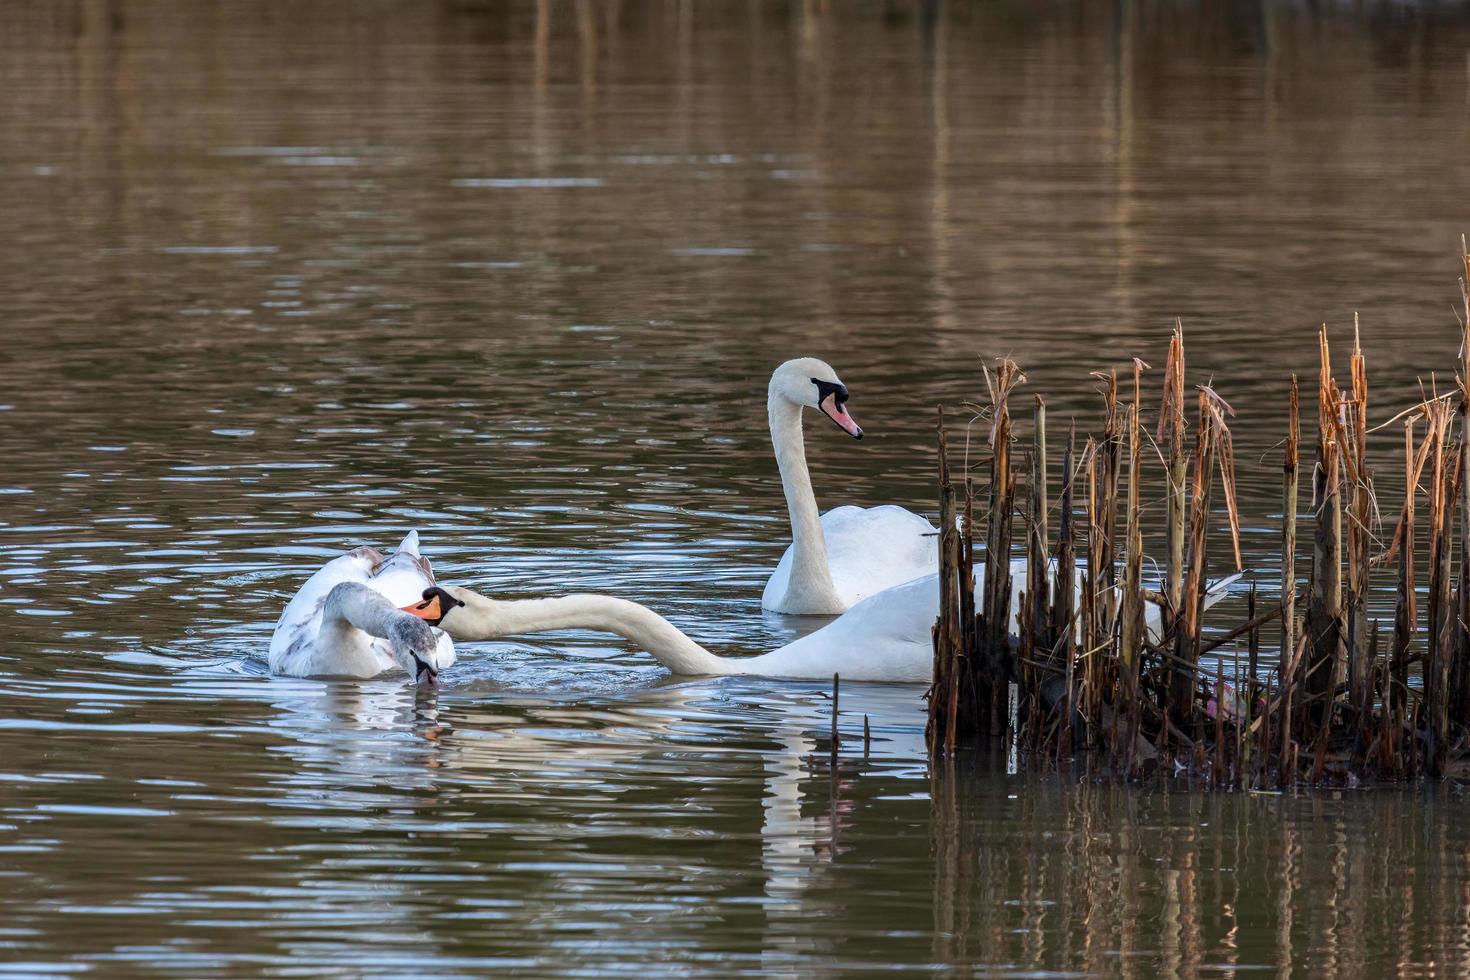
1064, 647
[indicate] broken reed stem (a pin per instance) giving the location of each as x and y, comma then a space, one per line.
1095, 635
1405, 614
1063, 605
964, 548
1460, 666
995, 670
1131, 625
1360, 664
1245, 747
1186, 647
1035, 632
1037, 580
1171, 434
1443, 492
1288, 529
944, 693
1324, 606
1459, 642
835, 743
1112, 446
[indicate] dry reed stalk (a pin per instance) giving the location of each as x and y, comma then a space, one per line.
1217, 769
1245, 747
1261, 734
996, 666
1324, 605
1443, 492
966, 549
1219, 410
1131, 624
1186, 647
1460, 668
1103, 560
965, 718
1460, 672
1094, 636
1359, 538
1038, 583
1292, 711
1172, 433
939, 732
1063, 607
836, 738
1405, 614
1113, 444
1290, 463
1036, 645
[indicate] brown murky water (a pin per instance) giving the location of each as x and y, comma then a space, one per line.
280, 278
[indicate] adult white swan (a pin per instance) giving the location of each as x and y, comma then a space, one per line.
345, 621
849, 553
883, 638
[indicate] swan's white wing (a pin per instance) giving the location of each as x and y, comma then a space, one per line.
883, 638
869, 549
401, 578
297, 628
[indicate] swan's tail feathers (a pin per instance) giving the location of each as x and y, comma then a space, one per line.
1215, 591
410, 544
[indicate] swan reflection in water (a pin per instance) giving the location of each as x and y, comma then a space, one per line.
545, 776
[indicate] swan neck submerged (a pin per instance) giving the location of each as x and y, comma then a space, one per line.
482, 618
810, 586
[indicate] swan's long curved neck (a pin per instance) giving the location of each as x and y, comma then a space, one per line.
482, 618
353, 605
811, 576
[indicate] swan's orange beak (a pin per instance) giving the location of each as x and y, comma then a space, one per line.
431, 609
434, 607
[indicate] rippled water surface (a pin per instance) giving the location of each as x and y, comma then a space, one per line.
278, 279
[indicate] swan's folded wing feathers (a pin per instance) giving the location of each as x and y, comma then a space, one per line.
870, 549
302, 617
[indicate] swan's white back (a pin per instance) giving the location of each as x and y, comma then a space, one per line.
883, 638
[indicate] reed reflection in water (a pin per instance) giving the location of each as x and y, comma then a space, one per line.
1182, 882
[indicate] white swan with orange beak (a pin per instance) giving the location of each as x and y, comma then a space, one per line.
344, 621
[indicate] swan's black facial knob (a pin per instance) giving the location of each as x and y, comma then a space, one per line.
832, 400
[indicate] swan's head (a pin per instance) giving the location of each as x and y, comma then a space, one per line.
811, 383
439, 605
435, 606
415, 648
